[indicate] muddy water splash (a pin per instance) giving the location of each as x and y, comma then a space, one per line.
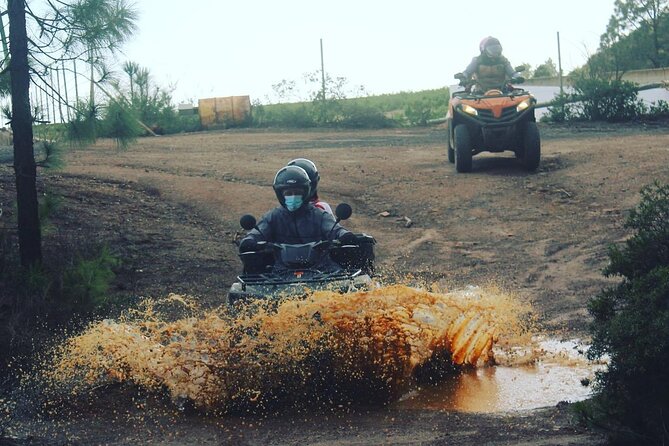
372, 341
540, 373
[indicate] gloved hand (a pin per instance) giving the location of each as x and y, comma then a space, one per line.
248, 245
348, 238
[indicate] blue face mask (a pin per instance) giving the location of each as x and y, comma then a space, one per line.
293, 202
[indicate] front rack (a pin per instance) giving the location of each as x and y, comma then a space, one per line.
305, 276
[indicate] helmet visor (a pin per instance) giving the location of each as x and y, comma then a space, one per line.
494, 50
286, 191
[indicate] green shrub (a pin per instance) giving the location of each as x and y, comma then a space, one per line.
363, 112
609, 100
183, 123
298, 115
50, 132
47, 205
121, 124
631, 326
86, 283
418, 113
659, 109
360, 116
599, 100
36, 284
561, 111
50, 154
84, 126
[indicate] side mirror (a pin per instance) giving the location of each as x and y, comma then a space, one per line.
459, 76
518, 80
520, 68
247, 222
343, 211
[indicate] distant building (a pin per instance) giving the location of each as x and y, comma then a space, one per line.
230, 111
186, 108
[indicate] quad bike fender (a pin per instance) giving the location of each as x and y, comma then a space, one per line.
460, 117
494, 135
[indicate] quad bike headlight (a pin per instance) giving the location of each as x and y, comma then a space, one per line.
469, 110
523, 105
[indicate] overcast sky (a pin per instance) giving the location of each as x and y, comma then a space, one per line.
225, 48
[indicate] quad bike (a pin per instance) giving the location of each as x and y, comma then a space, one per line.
495, 121
278, 270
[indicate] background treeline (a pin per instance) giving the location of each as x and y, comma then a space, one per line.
388, 110
637, 37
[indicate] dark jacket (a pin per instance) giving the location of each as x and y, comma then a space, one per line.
307, 224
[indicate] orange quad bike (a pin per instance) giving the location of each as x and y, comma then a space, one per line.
494, 121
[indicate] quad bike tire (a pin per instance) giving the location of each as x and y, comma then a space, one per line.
531, 147
449, 145
463, 148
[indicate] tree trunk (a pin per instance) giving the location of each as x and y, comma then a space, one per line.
30, 245
92, 92
76, 84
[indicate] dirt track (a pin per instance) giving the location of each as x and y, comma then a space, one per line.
169, 206
172, 204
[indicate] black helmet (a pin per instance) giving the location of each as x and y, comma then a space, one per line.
491, 47
311, 170
290, 177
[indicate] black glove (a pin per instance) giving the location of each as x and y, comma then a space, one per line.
348, 238
248, 245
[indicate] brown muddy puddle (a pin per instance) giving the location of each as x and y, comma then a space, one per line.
361, 341
555, 375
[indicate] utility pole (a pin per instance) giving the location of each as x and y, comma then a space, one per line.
559, 64
560, 73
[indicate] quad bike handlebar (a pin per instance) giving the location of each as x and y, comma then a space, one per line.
469, 83
298, 256
263, 245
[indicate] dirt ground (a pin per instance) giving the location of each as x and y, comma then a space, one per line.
169, 207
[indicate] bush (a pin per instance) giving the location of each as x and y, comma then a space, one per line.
418, 113
599, 100
86, 283
358, 116
121, 124
59, 293
609, 100
631, 326
561, 111
299, 115
83, 128
368, 112
184, 123
659, 109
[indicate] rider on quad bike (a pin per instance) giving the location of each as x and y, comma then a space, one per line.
489, 70
297, 220
492, 114
298, 246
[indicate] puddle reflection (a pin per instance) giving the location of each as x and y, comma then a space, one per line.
502, 388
